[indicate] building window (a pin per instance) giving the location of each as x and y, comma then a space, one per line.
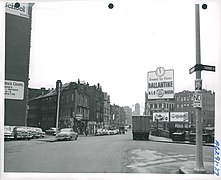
181, 105
155, 106
178, 106
181, 98
67, 98
72, 96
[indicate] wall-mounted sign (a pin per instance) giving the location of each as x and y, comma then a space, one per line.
197, 100
161, 116
179, 116
14, 90
22, 10
160, 84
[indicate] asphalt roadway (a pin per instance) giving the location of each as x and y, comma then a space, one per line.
100, 154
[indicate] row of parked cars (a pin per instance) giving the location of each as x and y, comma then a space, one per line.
22, 132
101, 132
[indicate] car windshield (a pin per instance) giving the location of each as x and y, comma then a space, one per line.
65, 130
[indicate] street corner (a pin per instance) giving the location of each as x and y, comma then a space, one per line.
188, 168
147, 161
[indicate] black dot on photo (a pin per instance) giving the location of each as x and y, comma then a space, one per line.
204, 6
111, 6
17, 5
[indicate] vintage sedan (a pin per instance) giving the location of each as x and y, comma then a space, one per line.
51, 131
67, 134
8, 132
22, 132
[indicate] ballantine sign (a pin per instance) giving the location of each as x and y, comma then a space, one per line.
22, 10
160, 84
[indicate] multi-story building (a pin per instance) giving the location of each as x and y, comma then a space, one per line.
128, 115
118, 116
74, 108
106, 110
136, 111
161, 105
96, 115
17, 55
184, 103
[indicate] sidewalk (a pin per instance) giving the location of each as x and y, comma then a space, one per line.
168, 140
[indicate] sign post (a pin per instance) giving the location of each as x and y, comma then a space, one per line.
199, 168
197, 97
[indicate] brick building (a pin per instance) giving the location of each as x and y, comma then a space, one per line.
106, 110
74, 108
128, 115
118, 116
184, 103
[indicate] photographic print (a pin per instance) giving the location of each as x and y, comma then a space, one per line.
111, 87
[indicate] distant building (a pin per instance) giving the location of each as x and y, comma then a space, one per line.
96, 104
128, 115
136, 111
118, 116
184, 103
161, 105
107, 114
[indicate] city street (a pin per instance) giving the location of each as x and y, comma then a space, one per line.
100, 154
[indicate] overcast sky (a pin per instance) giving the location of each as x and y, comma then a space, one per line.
117, 47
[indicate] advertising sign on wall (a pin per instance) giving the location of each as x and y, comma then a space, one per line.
22, 10
14, 90
179, 116
160, 84
161, 116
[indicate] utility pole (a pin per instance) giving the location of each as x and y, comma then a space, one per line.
58, 89
197, 97
199, 168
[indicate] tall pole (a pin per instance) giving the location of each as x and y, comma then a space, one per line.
58, 88
199, 168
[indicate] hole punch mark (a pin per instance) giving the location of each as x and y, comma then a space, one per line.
17, 5
204, 6
111, 6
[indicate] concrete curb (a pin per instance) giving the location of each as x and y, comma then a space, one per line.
180, 142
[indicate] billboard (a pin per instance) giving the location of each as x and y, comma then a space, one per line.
160, 84
161, 116
21, 11
179, 116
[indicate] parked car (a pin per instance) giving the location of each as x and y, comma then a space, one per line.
39, 133
22, 132
51, 131
67, 134
8, 132
31, 132
99, 132
111, 132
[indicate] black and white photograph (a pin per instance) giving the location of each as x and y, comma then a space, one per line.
110, 89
